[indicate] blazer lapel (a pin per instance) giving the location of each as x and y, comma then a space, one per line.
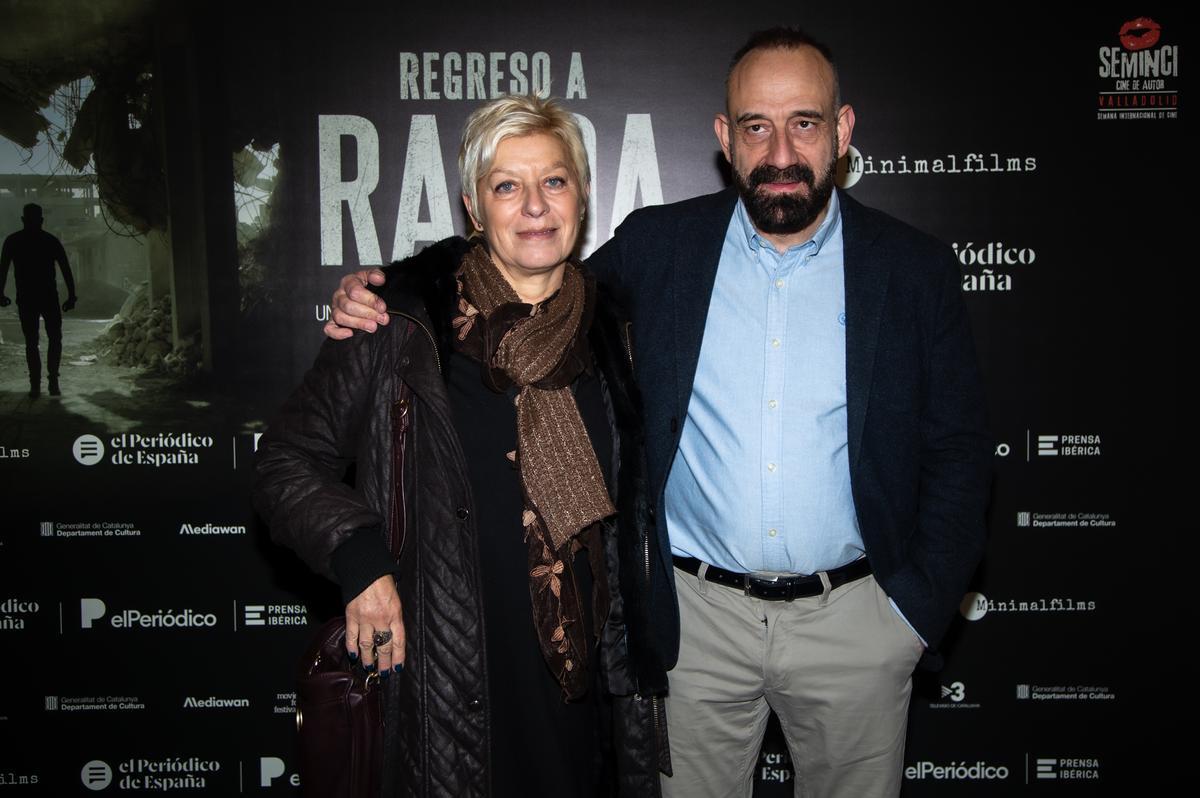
866, 274
698, 244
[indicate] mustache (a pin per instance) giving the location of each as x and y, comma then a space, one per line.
766, 173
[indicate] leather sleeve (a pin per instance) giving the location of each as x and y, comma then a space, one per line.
303, 457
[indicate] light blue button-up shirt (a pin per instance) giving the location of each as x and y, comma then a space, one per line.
761, 480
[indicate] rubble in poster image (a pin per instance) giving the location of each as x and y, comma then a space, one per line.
141, 336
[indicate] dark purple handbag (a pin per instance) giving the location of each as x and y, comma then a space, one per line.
339, 719
339, 712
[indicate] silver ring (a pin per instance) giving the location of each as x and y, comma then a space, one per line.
382, 638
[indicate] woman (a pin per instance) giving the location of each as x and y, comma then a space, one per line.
501, 625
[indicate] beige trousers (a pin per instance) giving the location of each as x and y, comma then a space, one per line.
836, 669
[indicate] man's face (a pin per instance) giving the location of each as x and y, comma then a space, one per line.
783, 137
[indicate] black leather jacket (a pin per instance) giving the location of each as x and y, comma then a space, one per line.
343, 412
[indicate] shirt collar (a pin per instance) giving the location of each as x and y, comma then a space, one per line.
755, 242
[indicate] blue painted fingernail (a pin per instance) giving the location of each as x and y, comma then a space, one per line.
398, 667
353, 656
383, 674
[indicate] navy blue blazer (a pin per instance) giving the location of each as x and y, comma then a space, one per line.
920, 454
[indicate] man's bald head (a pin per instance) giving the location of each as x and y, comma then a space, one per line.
783, 38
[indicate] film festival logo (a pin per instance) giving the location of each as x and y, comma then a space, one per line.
1074, 769
1138, 73
285, 704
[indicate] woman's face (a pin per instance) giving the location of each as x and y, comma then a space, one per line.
529, 205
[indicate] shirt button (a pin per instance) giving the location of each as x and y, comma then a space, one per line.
779, 283
770, 466
772, 532
775, 342
772, 404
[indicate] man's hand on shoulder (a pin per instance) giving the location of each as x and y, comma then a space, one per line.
70, 303
355, 307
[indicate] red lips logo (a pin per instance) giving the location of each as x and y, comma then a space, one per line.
1140, 33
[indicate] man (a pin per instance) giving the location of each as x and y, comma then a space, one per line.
816, 442
34, 252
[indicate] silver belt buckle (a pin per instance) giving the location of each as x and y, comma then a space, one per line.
747, 578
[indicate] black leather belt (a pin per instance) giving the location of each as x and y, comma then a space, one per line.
777, 588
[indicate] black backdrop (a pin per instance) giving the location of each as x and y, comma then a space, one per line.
150, 629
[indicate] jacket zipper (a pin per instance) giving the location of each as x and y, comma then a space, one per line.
402, 407
437, 358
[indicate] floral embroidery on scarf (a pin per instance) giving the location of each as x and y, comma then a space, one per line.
550, 574
466, 320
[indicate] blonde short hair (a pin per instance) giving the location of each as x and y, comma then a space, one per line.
518, 115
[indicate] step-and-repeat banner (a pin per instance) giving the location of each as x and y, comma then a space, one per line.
212, 169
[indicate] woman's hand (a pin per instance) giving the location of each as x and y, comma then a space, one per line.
376, 612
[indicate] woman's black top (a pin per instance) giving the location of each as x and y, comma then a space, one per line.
539, 744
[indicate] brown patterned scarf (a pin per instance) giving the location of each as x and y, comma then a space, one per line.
541, 349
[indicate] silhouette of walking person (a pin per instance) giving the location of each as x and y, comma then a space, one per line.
34, 252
